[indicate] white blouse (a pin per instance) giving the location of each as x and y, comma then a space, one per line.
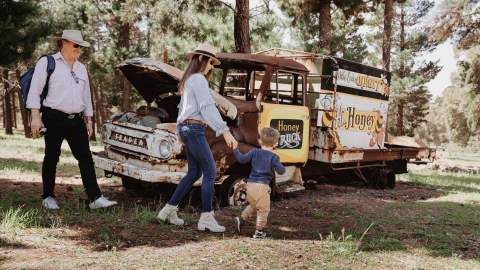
197, 103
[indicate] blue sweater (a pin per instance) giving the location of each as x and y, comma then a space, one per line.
263, 163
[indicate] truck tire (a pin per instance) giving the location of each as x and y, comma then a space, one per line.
379, 178
390, 179
233, 192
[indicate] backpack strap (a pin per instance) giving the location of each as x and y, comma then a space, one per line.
50, 69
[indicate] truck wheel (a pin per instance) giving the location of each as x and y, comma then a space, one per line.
385, 179
390, 179
379, 178
234, 191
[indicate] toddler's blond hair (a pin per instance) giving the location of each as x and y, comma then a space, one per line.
269, 137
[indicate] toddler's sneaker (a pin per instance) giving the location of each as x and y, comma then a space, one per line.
261, 234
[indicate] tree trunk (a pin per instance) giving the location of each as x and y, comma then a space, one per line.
402, 73
98, 105
124, 41
400, 118
149, 34
23, 111
241, 26
8, 104
2, 100
387, 34
93, 138
325, 27
14, 108
103, 109
165, 55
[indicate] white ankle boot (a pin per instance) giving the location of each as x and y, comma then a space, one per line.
169, 213
207, 221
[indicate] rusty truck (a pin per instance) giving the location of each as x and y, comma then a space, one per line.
331, 115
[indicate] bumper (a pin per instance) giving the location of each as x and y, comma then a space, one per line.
136, 172
291, 181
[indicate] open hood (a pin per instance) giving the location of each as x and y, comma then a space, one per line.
151, 78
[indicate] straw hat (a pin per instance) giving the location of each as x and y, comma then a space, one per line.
207, 50
74, 36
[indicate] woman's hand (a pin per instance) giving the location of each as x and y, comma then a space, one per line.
230, 140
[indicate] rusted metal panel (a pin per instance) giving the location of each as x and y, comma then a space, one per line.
170, 127
133, 126
258, 61
405, 141
143, 173
158, 173
363, 155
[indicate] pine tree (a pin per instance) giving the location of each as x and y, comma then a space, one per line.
21, 27
329, 27
409, 99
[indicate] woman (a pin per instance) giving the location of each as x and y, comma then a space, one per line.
197, 110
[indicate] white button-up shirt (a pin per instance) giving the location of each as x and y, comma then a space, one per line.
67, 92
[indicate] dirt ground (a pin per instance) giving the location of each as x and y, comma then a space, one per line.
326, 199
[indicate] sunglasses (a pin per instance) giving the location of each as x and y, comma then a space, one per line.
76, 46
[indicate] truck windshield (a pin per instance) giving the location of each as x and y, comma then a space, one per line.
284, 88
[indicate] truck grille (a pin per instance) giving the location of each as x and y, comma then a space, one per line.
127, 139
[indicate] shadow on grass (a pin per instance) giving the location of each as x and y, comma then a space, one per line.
63, 169
5, 243
443, 228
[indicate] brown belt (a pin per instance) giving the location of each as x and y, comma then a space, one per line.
194, 122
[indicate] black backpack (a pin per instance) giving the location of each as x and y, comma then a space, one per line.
26, 80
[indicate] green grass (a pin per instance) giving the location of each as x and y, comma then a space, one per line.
145, 215
19, 218
441, 227
445, 181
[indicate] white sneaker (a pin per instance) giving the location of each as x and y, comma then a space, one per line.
207, 222
101, 202
169, 213
50, 203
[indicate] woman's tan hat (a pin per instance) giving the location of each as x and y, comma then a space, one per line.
207, 50
74, 36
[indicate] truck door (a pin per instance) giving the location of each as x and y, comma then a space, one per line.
292, 121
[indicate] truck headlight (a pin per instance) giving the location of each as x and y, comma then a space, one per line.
165, 149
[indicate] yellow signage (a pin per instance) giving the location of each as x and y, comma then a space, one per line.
293, 124
364, 82
351, 119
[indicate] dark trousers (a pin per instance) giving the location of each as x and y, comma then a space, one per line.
200, 162
60, 127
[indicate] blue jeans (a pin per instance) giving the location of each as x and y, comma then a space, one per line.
200, 161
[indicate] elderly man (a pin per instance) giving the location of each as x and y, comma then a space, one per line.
66, 113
